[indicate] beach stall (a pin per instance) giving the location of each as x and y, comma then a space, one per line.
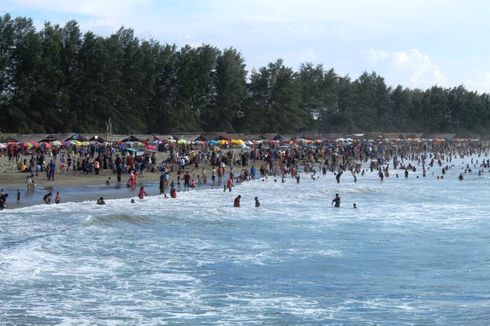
77, 137
96, 139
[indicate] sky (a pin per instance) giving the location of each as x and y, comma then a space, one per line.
413, 43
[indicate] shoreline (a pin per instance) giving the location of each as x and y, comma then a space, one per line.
79, 188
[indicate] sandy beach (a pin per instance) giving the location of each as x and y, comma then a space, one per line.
77, 186
11, 178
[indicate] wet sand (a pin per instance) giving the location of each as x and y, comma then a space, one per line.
79, 186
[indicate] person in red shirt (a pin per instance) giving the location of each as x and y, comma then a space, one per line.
142, 193
229, 184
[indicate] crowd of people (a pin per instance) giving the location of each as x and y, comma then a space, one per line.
187, 167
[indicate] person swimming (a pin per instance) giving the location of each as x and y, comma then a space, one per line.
100, 201
336, 200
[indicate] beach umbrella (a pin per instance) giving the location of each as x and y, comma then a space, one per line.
3, 145
182, 142
56, 143
213, 142
223, 142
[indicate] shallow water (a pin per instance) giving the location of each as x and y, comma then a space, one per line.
416, 251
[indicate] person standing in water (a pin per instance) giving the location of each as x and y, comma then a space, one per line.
142, 193
57, 199
337, 177
47, 198
336, 200
257, 202
236, 202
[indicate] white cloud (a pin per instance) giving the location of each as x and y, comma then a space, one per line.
401, 66
481, 83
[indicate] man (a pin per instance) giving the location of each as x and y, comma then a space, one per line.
3, 200
336, 200
47, 198
52, 170
118, 165
236, 203
257, 202
187, 180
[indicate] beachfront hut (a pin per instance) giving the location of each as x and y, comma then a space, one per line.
439, 136
220, 136
411, 135
392, 135
31, 138
153, 138
96, 138
9, 138
130, 138
48, 139
76, 137
201, 138
374, 134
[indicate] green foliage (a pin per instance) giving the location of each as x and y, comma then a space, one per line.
58, 80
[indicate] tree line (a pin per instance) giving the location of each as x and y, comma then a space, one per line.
59, 79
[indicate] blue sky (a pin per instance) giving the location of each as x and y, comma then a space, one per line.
413, 43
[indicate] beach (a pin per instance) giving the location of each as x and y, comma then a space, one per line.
79, 186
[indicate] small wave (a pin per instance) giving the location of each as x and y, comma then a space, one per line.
362, 190
109, 220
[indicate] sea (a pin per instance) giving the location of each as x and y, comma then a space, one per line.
415, 251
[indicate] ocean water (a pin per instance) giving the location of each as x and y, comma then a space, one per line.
415, 252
